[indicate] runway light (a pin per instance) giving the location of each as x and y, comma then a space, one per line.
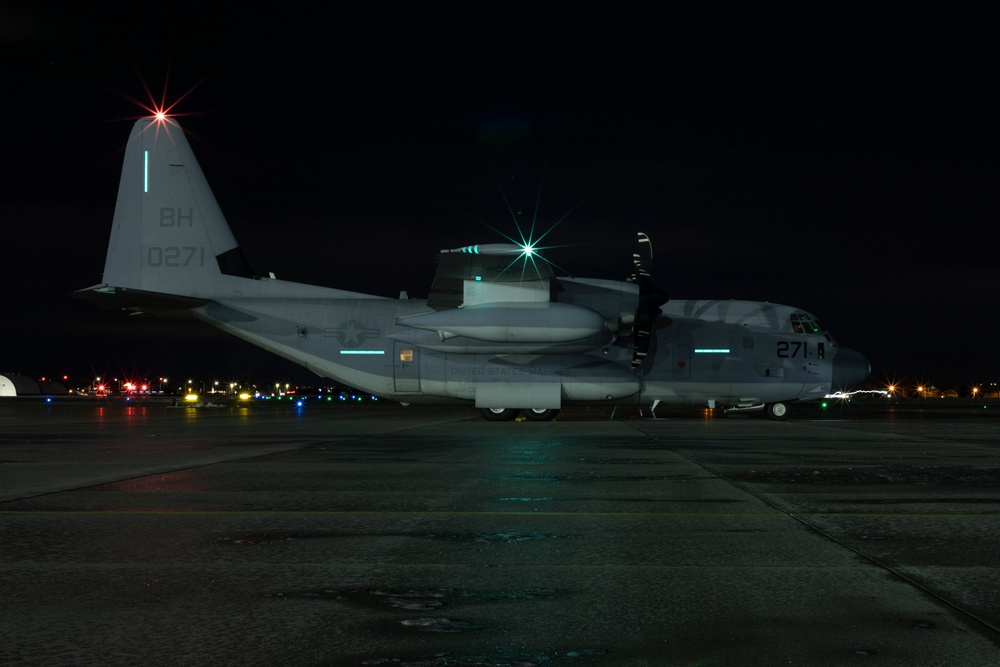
191, 398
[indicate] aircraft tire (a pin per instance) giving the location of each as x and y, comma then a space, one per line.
540, 415
498, 414
776, 411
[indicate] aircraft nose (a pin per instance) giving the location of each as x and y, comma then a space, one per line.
850, 367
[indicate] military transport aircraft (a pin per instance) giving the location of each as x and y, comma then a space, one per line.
499, 330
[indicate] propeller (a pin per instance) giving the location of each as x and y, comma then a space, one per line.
651, 298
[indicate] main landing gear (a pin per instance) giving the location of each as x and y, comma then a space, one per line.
776, 411
506, 414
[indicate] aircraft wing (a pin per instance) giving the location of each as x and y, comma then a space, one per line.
487, 273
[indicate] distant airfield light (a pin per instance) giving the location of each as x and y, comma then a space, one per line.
191, 398
849, 394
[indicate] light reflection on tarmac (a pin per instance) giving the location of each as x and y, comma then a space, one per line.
381, 535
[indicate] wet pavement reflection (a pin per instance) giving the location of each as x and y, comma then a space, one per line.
392, 536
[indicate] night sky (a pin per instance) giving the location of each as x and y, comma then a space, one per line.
845, 163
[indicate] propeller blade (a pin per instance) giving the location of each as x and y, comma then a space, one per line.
650, 300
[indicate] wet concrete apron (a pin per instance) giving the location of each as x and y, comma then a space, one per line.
385, 536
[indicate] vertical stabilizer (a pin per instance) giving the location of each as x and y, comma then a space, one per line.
169, 235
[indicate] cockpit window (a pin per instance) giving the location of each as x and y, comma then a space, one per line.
802, 323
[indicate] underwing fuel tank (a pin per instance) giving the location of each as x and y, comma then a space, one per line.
546, 322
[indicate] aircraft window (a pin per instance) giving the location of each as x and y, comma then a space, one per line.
406, 355
805, 324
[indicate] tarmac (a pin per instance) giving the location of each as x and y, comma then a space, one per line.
373, 534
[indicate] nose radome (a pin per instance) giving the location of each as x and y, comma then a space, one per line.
850, 367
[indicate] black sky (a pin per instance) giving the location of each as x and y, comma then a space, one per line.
841, 161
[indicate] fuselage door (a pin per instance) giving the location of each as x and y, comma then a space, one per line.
405, 367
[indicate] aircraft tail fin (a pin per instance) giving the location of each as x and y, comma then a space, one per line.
169, 235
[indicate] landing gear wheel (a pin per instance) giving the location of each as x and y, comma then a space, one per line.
498, 414
539, 415
776, 411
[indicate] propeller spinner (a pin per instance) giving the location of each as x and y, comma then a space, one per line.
650, 299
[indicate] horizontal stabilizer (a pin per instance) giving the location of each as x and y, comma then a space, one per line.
111, 298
